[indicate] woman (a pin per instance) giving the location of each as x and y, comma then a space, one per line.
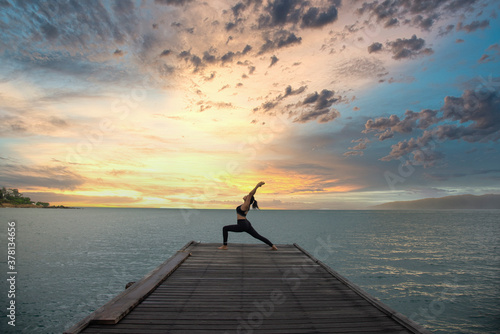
243, 224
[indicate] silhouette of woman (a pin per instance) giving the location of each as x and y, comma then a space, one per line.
243, 224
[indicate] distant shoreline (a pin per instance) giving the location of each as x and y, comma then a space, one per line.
33, 206
458, 202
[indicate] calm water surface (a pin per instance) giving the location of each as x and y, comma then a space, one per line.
440, 268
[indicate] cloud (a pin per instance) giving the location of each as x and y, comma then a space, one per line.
279, 13
473, 117
422, 14
314, 18
394, 22
22, 176
118, 53
362, 144
408, 48
289, 91
473, 26
77, 200
274, 60
486, 58
387, 126
375, 47
281, 39
443, 32
318, 107
165, 53
315, 106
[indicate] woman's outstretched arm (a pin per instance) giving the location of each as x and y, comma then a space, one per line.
245, 206
260, 184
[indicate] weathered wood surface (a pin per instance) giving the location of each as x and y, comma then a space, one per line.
251, 289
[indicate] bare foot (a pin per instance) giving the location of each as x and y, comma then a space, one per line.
224, 247
274, 248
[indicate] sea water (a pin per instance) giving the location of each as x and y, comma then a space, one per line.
440, 268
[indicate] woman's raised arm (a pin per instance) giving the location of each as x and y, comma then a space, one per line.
260, 184
245, 206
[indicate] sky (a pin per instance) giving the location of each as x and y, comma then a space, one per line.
189, 104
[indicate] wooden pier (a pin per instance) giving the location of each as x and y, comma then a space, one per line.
245, 289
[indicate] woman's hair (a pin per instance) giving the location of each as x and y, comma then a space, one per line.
254, 203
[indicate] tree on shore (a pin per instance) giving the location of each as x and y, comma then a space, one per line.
3, 193
13, 196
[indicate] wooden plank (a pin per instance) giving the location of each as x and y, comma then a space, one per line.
216, 291
400, 318
130, 298
121, 305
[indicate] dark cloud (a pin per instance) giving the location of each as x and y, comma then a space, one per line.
375, 47
279, 13
211, 57
247, 49
281, 39
274, 60
228, 57
420, 13
118, 53
289, 91
230, 25
315, 106
314, 18
473, 117
394, 22
408, 48
282, 11
238, 8
387, 126
318, 107
165, 53
473, 26
425, 23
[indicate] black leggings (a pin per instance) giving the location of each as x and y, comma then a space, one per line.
243, 226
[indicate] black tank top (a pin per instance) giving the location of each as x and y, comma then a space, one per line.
241, 212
